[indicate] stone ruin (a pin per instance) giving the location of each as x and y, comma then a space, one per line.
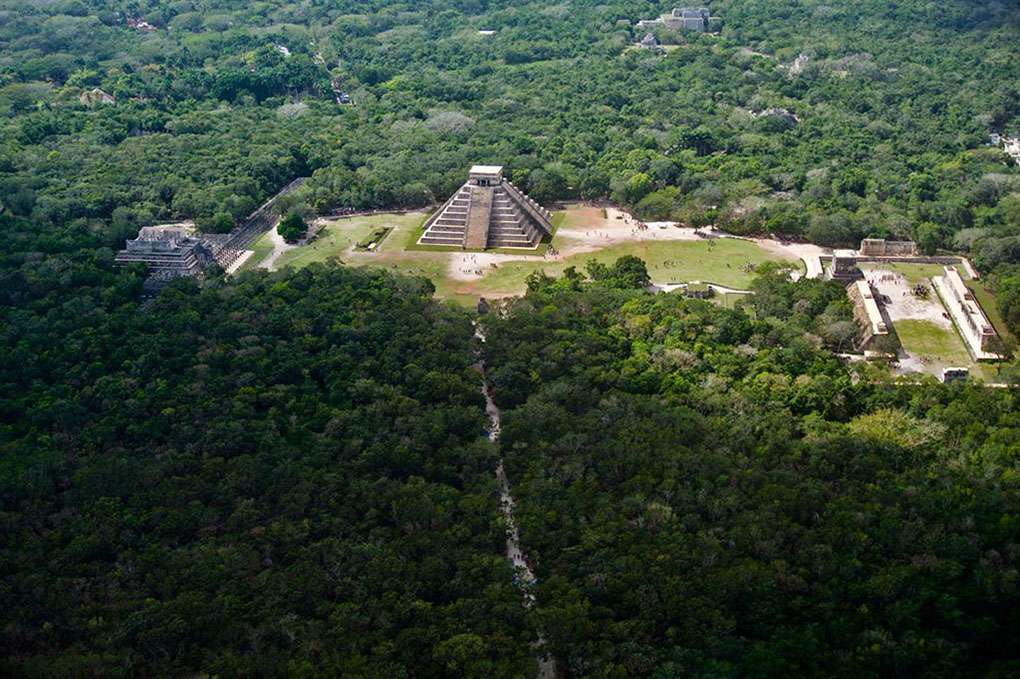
170, 252
488, 212
844, 267
868, 317
879, 247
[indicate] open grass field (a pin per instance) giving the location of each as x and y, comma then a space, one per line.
667, 261
724, 261
262, 248
923, 338
338, 236
728, 299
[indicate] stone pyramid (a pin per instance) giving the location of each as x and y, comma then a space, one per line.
487, 212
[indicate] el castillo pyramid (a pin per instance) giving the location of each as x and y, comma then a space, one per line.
487, 212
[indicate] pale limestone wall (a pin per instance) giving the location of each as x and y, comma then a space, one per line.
878, 247
968, 316
867, 314
968, 309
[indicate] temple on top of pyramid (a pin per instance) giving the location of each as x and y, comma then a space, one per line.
488, 212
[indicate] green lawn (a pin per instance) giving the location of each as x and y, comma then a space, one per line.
687, 260
336, 238
679, 261
924, 338
262, 247
728, 299
668, 261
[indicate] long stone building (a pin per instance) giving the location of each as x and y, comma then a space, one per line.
978, 332
867, 316
690, 18
488, 212
879, 247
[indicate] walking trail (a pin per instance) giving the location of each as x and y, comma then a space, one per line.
280, 246
525, 578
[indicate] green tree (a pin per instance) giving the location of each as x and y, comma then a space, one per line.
292, 227
220, 222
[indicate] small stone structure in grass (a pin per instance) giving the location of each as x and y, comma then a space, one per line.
698, 290
372, 242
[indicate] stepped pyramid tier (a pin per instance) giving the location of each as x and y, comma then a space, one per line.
488, 212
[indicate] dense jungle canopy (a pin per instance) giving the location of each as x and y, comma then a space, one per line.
284, 474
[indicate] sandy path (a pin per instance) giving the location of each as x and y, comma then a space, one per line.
670, 287
806, 252
280, 246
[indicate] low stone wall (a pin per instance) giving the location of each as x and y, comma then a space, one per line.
879, 247
955, 260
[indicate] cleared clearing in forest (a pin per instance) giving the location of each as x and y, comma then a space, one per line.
583, 233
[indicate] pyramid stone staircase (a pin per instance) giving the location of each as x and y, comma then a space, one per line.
488, 212
478, 218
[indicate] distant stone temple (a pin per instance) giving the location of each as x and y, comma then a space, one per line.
690, 18
879, 247
169, 251
166, 248
867, 315
95, 97
784, 113
982, 340
844, 266
488, 212
649, 42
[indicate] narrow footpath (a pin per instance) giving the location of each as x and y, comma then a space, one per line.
525, 578
280, 246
